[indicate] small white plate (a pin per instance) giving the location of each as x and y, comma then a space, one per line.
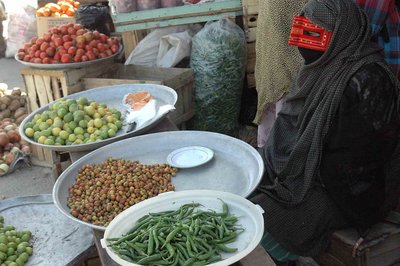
189, 156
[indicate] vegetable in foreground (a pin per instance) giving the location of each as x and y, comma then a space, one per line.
186, 236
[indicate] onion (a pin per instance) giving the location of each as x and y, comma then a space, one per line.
4, 168
8, 147
4, 139
9, 158
13, 136
26, 149
15, 150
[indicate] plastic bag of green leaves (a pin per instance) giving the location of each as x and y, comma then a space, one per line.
219, 60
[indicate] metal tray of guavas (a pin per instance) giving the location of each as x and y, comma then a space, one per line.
112, 96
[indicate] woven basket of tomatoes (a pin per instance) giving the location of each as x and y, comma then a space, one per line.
68, 46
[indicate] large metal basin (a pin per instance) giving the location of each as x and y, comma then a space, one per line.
112, 96
236, 167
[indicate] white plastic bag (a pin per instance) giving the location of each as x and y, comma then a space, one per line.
21, 24
173, 48
146, 51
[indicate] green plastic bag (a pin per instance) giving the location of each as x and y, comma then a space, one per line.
219, 61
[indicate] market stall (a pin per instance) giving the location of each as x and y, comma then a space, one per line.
85, 104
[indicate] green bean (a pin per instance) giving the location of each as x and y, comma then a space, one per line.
136, 248
154, 235
150, 245
189, 262
171, 235
183, 251
224, 248
124, 257
171, 250
214, 258
206, 255
199, 263
149, 259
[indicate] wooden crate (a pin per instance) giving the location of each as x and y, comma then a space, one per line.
180, 79
381, 247
44, 86
250, 16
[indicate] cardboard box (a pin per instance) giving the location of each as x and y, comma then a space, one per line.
46, 23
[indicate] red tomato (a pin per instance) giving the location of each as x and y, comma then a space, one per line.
103, 55
103, 38
35, 47
80, 32
80, 51
44, 46
80, 45
31, 54
73, 36
88, 48
47, 36
67, 45
101, 47
52, 44
95, 51
66, 38
46, 60
84, 58
33, 40
62, 51
59, 42
77, 27
70, 25
55, 36
114, 48
27, 46
63, 29
54, 30
37, 53
110, 42
50, 51
42, 55
21, 55
55, 61
88, 36
39, 41
57, 56
91, 56
108, 52
72, 50
77, 58
71, 30
93, 43
66, 58
27, 58
37, 60
32, 60
96, 34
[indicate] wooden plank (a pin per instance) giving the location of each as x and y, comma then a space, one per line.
64, 86
55, 88
43, 72
251, 34
90, 83
251, 21
251, 65
251, 80
251, 50
41, 90
31, 92
130, 39
47, 86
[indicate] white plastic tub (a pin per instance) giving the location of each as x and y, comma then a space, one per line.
249, 214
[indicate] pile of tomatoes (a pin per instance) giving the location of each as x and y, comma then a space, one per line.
63, 8
68, 43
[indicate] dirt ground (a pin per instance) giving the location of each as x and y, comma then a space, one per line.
27, 180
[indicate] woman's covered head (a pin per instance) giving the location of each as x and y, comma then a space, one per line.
332, 26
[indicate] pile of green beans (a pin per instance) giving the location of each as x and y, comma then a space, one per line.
187, 236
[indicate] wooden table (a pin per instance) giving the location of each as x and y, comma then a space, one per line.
258, 257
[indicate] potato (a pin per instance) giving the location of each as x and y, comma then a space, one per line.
20, 111
20, 118
6, 100
22, 101
14, 105
5, 114
16, 92
3, 106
